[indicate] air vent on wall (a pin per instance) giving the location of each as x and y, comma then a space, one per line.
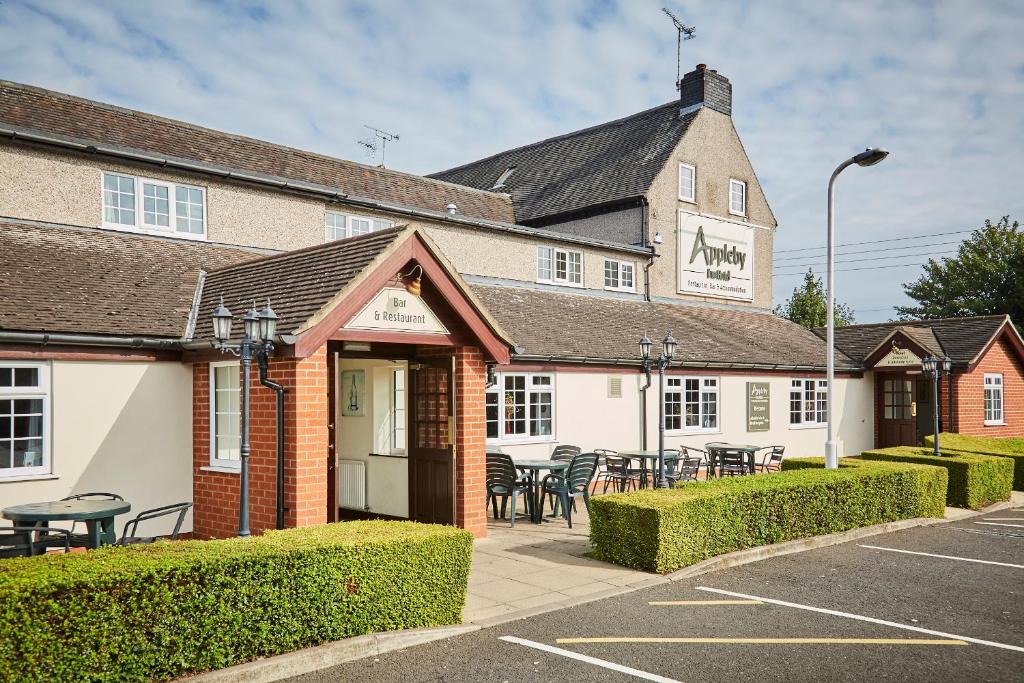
615, 386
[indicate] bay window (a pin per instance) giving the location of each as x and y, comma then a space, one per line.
808, 402
166, 208
692, 404
520, 406
24, 419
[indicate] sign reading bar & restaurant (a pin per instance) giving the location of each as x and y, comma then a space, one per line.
758, 407
396, 310
716, 257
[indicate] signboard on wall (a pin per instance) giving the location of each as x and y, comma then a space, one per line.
898, 358
395, 310
758, 407
716, 257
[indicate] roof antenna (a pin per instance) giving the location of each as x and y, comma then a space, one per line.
683, 32
380, 141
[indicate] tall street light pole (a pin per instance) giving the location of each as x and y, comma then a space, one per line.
662, 362
868, 157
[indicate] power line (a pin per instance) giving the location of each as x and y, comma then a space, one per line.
857, 260
891, 239
871, 251
850, 270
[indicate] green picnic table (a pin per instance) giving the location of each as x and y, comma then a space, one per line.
98, 516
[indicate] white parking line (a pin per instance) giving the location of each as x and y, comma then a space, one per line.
944, 557
1018, 526
1004, 519
858, 617
987, 533
630, 671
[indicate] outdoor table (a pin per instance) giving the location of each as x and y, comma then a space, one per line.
535, 467
747, 449
98, 516
644, 457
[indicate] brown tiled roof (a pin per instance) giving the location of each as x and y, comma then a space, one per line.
298, 283
571, 325
88, 281
85, 120
962, 339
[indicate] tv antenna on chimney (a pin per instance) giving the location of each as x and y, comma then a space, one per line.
683, 32
379, 141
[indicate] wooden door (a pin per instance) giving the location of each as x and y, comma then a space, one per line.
898, 422
431, 451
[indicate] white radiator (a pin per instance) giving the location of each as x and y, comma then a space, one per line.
352, 484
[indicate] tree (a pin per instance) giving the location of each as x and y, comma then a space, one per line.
807, 306
985, 277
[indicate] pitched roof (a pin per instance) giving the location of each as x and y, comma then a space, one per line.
46, 111
566, 325
607, 163
962, 339
89, 281
298, 283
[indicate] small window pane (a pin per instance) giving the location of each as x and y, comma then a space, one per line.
544, 263
188, 210
118, 199
156, 205
23, 377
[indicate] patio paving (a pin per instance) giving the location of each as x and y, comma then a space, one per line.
535, 567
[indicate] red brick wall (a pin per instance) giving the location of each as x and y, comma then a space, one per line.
216, 493
969, 394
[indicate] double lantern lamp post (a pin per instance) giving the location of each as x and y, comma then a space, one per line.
664, 359
258, 330
934, 367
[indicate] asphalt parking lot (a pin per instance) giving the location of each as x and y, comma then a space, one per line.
938, 603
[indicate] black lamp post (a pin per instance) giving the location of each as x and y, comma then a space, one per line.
934, 367
257, 339
664, 359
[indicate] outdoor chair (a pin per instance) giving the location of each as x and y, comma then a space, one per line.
574, 484
683, 469
565, 452
503, 481
732, 463
617, 473
772, 459
24, 541
702, 457
180, 509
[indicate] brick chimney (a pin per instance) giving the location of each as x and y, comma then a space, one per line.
704, 87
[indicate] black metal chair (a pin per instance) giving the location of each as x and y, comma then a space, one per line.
616, 473
503, 481
181, 509
683, 469
575, 483
772, 459
732, 463
26, 541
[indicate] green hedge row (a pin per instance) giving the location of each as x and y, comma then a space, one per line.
172, 608
661, 531
974, 480
982, 445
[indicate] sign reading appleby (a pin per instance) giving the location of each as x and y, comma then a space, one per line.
715, 257
396, 310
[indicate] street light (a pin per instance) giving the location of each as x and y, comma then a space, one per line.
257, 340
664, 359
868, 157
934, 367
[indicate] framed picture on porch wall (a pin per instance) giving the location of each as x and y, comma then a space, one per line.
353, 393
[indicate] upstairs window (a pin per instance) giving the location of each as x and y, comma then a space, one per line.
166, 208
618, 276
808, 402
342, 225
737, 197
24, 419
687, 183
559, 266
993, 399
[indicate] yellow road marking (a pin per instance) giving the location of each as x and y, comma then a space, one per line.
665, 603
765, 641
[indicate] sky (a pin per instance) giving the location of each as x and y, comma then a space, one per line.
939, 84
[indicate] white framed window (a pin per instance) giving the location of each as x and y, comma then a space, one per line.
808, 402
398, 437
559, 266
341, 225
691, 404
994, 399
166, 208
520, 406
225, 415
737, 197
618, 275
24, 419
687, 183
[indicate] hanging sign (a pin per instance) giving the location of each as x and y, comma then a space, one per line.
716, 257
898, 358
396, 310
758, 404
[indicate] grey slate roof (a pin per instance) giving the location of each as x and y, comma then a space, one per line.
962, 339
607, 163
567, 325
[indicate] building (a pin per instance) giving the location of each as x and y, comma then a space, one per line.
424, 320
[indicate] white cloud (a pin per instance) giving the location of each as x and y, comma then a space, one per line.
941, 84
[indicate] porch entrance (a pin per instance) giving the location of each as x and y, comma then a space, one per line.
898, 399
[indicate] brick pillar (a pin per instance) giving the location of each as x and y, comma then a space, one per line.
470, 437
306, 440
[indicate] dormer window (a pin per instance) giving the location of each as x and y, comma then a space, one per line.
687, 183
166, 208
559, 266
506, 174
342, 225
737, 197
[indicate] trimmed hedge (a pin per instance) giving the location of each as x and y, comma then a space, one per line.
172, 608
974, 480
661, 531
985, 445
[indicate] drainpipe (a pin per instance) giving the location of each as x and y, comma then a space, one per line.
643, 409
644, 209
279, 390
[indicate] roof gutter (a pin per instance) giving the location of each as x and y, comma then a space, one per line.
46, 338
331, 193
635, 362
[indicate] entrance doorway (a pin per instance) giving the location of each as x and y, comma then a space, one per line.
431, 447
897, 425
